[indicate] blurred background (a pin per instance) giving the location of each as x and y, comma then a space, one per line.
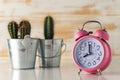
68, 15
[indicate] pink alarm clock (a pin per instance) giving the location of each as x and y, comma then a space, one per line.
91, 52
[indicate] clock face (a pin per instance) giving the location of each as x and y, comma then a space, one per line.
88, 52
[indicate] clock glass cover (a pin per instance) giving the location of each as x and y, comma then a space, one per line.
88, 52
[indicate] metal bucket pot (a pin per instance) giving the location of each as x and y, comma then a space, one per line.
50, 52
22, 53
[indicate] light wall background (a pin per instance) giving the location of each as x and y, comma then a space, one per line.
69, 15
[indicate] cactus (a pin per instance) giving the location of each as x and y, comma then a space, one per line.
25, 28
48, 27
13, 29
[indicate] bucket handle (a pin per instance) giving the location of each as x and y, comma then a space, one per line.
63, 44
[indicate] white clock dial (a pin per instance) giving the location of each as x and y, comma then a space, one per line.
89, 52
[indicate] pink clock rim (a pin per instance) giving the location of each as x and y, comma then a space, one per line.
94, 70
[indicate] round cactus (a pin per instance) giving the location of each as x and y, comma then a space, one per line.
25, 28
48, 27
13, 29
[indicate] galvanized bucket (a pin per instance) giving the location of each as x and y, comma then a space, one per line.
22, 52
50, 52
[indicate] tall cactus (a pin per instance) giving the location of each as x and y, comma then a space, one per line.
49, 27
13, 29
25, 28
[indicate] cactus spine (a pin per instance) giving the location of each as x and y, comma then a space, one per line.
13, 29
25, 28
49, 27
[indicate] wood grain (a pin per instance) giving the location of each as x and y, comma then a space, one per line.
69, 15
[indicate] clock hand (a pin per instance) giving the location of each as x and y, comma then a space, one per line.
90, 49
86, 55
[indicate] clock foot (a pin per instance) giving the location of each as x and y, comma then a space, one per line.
79, 72
99, 72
